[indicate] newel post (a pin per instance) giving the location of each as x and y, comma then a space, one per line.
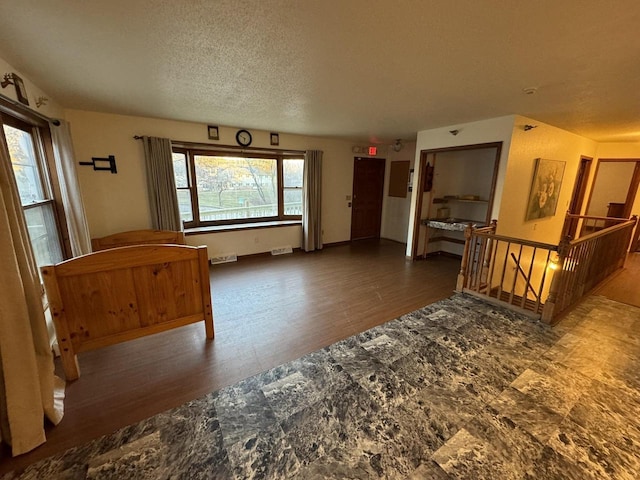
468, 232
548, 310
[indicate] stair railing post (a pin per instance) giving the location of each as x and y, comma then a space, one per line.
468, 233
548, 311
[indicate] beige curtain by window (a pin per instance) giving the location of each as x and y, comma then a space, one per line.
312, 201
79, 236
161, 184
29, 391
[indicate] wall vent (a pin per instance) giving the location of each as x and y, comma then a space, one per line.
281, 250
224, 258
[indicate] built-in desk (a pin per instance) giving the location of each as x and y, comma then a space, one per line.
448, 224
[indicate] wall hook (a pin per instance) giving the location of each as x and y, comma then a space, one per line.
529, 127
454, 132
7, 80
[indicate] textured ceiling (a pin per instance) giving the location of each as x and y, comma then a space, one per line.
362, 69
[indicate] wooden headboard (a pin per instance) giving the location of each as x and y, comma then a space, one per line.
137, 237
123, 293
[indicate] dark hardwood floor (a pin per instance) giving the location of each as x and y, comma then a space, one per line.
267, 311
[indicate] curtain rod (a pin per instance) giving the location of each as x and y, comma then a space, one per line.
229, 148
29, 110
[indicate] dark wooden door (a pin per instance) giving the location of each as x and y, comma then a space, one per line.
579, 190
366, 207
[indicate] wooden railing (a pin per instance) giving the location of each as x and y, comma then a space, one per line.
505, 270
537, 278
585, 263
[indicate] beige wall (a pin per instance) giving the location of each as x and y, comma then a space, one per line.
51, 109
485, 131
544, 141
118, 202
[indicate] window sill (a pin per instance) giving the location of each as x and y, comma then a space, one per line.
241, 226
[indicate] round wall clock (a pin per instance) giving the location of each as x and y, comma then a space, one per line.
243, 137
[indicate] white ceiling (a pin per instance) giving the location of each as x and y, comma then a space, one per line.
361, 69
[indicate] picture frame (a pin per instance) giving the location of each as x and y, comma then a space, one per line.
213, 132
545, 188
275, 139
21, 90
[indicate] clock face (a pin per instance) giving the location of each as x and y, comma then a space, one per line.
243, 137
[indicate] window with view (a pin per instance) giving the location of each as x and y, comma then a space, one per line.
217, 188
27, 153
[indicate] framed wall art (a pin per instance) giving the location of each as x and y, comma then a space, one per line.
545, 188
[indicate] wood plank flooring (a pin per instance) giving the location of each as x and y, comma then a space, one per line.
267, 311
624, 286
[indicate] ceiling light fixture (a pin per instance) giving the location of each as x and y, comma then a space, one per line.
398, 145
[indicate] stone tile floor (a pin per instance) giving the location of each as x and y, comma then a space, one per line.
457, 390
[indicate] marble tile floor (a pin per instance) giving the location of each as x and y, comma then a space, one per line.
459, 389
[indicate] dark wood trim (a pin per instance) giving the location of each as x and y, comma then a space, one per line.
631, 193
424, 156
24, 113
579, 191
238, 150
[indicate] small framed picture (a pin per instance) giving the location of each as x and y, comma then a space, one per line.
21, 90
275, 139
213, 132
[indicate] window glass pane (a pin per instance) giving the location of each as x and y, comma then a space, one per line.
292, 172
180, 170
25, 165
44, 234
293, 202
231, 188
184, 204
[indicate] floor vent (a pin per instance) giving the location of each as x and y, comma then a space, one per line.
281, 250
225, 258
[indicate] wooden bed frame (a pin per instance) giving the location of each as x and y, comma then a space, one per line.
137, 237
124, 293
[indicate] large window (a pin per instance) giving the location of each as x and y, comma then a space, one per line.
27, 150
217, 188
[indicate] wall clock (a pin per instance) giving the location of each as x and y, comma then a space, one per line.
243, 137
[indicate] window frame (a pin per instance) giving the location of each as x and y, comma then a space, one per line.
22, 119
191, 152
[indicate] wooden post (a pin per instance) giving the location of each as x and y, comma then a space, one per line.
68, 355
468, 233
550, 304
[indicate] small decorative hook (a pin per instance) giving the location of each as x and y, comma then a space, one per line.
529, 127
454, 132
40, 101
7, 80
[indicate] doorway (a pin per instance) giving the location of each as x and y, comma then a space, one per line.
456, 183
577, 198
614, 190
368, 190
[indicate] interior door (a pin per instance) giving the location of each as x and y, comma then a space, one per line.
368, 189
577, 199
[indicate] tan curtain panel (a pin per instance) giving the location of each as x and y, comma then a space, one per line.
161, 184
312, 201
29, 391
77, 226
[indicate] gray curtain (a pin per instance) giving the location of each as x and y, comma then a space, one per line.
79, 236
312, 201
29, 390
161, 184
